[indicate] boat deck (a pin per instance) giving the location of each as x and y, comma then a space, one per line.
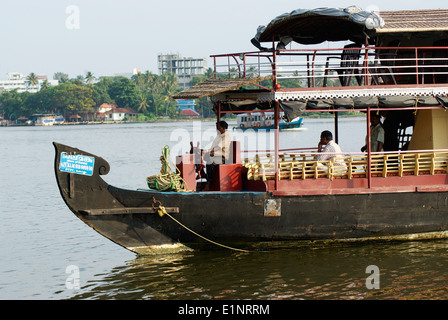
392, 68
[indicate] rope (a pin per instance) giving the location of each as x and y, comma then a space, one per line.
162, 211
167, 180
202, 237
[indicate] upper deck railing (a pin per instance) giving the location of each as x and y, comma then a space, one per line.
304, 165
350, 66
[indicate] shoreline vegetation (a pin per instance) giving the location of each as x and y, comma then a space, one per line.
146, 93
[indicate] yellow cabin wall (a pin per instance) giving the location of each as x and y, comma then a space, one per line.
430, 130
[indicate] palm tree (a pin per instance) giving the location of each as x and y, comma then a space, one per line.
45, 85
143, 103
169, 86
138, 78
32, 79
89, 77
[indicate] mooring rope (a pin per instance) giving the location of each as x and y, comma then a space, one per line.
162, 211
167, 180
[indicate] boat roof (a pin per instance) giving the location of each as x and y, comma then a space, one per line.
313, 26
414, 21
213, 86
327, 24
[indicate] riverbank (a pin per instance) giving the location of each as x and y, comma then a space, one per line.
9, 124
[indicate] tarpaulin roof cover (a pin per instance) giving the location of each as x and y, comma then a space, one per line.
312, 26
295, 108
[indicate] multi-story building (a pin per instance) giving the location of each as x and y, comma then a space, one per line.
17, 81
184, 68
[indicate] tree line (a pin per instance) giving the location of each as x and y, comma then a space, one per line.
147, 93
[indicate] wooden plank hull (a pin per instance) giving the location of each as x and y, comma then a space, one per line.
244, 219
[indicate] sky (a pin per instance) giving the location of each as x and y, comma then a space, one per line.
108, 37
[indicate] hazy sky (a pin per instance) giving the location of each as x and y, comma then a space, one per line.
114, 36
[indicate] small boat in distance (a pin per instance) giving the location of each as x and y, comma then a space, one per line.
47, 119
265, 121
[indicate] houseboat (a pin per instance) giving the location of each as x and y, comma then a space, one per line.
265, 121
47, 119
392, 63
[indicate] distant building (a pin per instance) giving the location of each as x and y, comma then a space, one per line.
18, 81
110, 112
186, 108
105, 107
127, 74
119, 114
184, 68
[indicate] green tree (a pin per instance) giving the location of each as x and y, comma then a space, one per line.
89, 77
45, 85
38, 102
124, 92
32, 79
11, 104
61, 77
164, 88
100, 94
142, 103
68, 98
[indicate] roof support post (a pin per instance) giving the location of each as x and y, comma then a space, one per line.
369, 151
336, 128
274, 70
277, 140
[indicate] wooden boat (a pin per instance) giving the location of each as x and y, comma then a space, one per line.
265, 121
397, 65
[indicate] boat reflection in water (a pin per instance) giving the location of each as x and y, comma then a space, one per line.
305, 273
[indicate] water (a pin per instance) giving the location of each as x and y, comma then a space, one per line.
41, 239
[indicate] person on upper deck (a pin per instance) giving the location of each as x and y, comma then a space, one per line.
219, 152
376, 134
327, 147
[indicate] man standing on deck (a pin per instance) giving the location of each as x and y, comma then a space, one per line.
376, 134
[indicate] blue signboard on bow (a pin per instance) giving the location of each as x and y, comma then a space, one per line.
76, 163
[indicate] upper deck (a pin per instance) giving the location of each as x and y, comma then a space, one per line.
392, 63
351, 71
393, 53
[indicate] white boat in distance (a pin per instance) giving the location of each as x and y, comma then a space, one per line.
47, 119
265, 121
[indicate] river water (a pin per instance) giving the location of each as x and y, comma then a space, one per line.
47, 253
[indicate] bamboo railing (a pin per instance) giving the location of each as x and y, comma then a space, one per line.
305, 166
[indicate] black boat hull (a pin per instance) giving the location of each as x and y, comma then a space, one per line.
244, 219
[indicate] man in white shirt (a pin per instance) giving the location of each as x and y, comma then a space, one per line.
219, 152
331, 147
376, 134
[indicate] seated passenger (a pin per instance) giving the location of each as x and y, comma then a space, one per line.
328, 149
219, 152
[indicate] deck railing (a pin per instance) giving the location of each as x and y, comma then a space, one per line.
349, 66
305, 166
